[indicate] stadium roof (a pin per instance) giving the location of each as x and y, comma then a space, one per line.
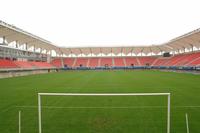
12, 33
187, 41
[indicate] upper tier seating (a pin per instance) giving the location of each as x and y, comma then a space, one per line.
7, 64
106, 61
119, 62
81, 62
93, 62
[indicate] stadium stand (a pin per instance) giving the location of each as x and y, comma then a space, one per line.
41, 64
189, 59
178, 60
131, 61
106, 61
93, 62
195, 62
7, 64
81, 62
57, 62
174, 60
69, 58
146, 60
69, 62
119, 62
160, 62
23, 64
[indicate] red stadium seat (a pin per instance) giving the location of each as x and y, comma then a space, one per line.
194, 60
93, 62
7, 64
160, 62
23, 64
119, 62
56, 62
131, 61
81, 62
41, 64
106, 61
69, 62
146, 60
191, 59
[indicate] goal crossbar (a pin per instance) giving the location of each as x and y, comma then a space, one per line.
102, 94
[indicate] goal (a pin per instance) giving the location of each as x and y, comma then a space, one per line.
102, 94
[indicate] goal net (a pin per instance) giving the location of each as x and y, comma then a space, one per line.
104, 112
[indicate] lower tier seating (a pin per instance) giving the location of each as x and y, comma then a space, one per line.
131, 61
7, 64
189, 59
93, 62
41, 64
69, 62
146, 60
23, 64
119, 62
81, 62
106, 62
56, 62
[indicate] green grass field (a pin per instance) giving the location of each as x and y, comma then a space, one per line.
81, 114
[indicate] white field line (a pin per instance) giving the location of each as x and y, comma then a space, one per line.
104, 107
187, 125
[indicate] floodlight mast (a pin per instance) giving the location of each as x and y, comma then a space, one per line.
103, 94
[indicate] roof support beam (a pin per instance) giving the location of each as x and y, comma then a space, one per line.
142, 51
90, 51
81, 52
151, 51
71, 51
4, 40
132, 51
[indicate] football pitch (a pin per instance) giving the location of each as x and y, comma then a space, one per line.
101, 114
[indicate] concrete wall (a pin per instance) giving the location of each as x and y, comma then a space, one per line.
7, 74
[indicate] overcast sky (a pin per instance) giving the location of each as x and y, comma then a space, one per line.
73, 23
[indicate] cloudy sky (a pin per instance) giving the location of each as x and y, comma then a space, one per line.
73, 23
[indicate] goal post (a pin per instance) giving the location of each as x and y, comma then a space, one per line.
102, 94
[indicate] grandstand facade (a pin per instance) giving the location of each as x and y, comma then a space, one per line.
22, 51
